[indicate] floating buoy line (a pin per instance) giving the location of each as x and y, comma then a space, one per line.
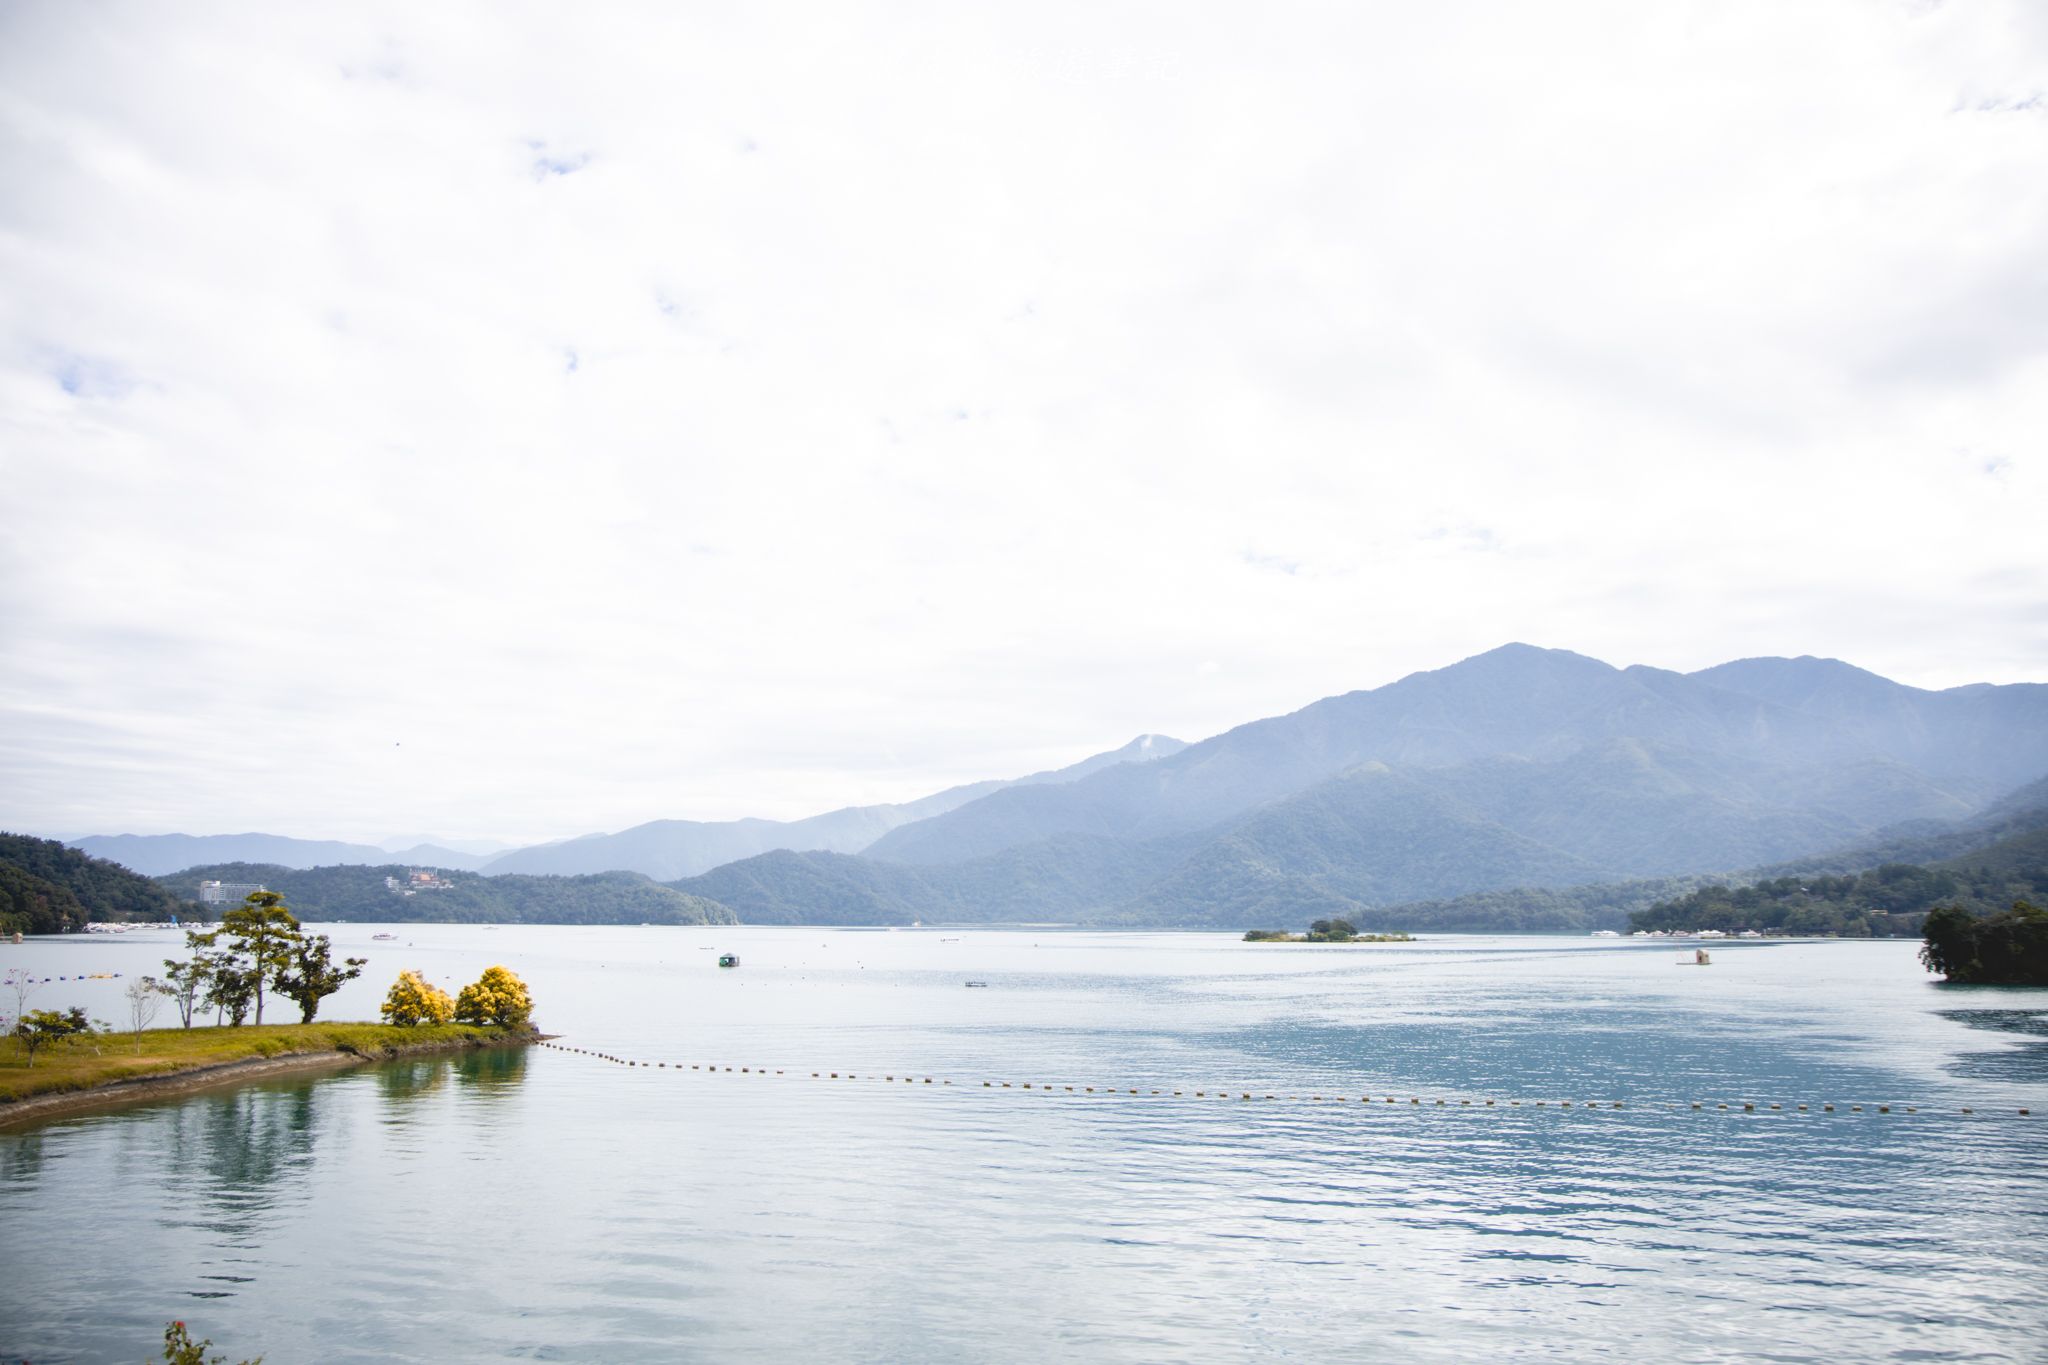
1240, 1095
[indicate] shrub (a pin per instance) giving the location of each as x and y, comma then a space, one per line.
413, 1000
180, 1349
497, 997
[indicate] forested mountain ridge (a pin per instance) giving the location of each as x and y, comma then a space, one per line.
49, 888
1928, 841
353, 892
1892, 898
1970, 734
2002, 837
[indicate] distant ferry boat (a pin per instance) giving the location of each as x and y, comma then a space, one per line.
385, 936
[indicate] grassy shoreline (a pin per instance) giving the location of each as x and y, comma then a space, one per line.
82, 1068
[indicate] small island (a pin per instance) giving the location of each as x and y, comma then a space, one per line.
1324, 931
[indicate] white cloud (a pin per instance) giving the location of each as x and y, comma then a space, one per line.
519, 422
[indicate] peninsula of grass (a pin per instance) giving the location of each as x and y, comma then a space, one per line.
105, 1060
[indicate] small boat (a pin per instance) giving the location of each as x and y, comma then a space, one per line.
728, 960
977, 983
383, 936
1699, 958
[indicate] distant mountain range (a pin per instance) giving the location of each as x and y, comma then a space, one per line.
663, 849
154, 855
1520, 768
669, 849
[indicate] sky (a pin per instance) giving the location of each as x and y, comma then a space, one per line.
510, 421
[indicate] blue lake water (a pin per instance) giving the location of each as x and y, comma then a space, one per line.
551, 1206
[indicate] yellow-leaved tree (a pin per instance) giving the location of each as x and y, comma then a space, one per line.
497, 997
414, 1000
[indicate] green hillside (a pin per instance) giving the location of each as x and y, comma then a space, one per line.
1069, 878
360, 893
1892, 898
48, 888
1369, 838
1536, 910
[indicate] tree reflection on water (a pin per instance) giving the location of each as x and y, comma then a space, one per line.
492, 1073
236, 1158
410, 1079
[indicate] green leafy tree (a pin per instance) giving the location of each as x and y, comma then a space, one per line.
260, 937
38, 1029
497, 997
1949, 942
414, 1000
230, 990
2006, 949
312, 975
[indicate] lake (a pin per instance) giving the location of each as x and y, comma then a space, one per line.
547, 1205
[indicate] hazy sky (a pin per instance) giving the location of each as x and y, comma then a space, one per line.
499, 420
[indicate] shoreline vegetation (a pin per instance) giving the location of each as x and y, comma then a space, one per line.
122, 1066
2006, 949
259, 948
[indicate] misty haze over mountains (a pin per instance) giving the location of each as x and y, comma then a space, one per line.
662, 849
1520, 767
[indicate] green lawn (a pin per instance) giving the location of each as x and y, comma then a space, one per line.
82, 1063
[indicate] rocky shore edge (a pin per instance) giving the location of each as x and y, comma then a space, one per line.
137, 1089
